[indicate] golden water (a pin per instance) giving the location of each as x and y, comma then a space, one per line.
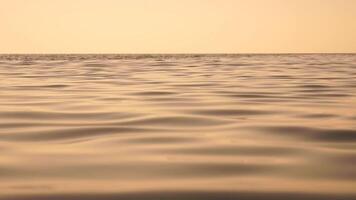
177, 127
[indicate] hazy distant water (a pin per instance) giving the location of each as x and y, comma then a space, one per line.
213, 127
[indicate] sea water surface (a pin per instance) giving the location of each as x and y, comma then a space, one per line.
177, 127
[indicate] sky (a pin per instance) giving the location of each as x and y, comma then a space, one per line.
177, 26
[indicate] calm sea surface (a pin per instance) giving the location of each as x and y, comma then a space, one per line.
177, 127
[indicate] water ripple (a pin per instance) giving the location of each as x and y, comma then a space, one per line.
177, 127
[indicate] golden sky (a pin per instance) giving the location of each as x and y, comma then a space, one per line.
177, 26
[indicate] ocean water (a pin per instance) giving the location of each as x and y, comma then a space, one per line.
177, 127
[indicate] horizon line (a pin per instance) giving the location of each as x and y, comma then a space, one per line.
300, 53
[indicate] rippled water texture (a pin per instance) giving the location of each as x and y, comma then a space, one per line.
147, 127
